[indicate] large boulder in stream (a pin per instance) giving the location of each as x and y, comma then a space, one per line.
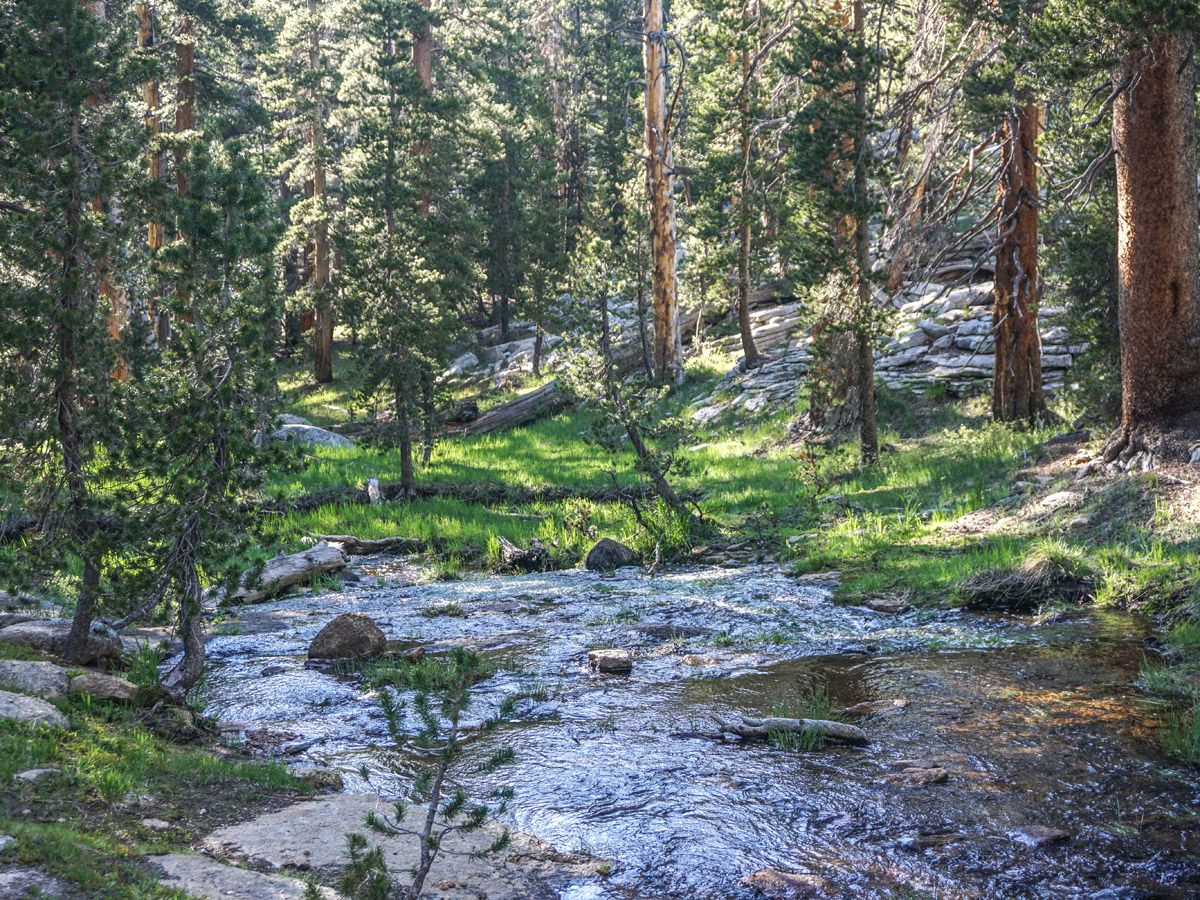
607, 555
349, 636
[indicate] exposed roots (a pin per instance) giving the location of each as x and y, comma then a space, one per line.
1140, 445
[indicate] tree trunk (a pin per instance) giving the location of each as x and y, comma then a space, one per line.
408, 479
744, 210
1017, 394
865, 324
155, 232
1158, 305
422, 60
668, 347
283, 571
177, 682
185, 121
322, 307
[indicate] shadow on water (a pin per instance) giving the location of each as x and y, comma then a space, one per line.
1017, 727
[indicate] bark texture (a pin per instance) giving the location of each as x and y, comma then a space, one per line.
668, 345
1017, 394
749, 350
322, 305
1158, 305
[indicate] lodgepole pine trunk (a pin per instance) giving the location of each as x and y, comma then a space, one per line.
408, 478
1158, 304
749, 350
322, 305
185, 121
155, 231
668, 346
867, 429
1017, 394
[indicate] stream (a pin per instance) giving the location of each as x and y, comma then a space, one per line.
1032, 725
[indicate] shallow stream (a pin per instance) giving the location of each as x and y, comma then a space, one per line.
1032, 724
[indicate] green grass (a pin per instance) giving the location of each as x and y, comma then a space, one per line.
83, 822
813, 703
1180, 733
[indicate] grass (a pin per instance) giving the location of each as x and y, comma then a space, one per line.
813, 703
82, 823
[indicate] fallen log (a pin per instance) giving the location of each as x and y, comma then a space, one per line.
533, 559
488, 492
548, 398
356, 546
761, 729
284, 571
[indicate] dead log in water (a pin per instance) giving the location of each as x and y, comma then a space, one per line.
533, 559
295, 568
762, 729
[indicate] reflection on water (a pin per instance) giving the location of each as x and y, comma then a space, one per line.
1033, 726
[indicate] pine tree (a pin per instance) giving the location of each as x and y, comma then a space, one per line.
64, 152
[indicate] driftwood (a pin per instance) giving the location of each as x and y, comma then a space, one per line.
356, 546
284, 571
517, 411
761, 729
532, 560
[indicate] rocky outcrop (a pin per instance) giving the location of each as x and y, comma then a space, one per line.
943, 337
50, 636
31, 710
310, 436
349, 636
202, 876
607, 554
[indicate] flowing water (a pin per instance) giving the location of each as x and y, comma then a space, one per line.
1033, 725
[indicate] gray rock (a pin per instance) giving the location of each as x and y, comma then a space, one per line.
30, 709
36, 774
6, 841
975, 327
103, 687
607, 554
903, 358
41, 679
311, 436
290, 419
26, 881
933, 328
349, 636
917, 338
201, 876
50, 635
1056, 361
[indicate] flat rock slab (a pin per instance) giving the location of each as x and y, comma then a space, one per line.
30, 709
312, 835
50, 636
1039, 836
26, 881
42, 679
202, 876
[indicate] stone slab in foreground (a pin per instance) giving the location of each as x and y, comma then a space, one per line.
201, 876
312, 835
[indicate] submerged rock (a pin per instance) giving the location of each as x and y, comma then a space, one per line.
611, 662
607, 555
917, 777
349, 636
30, 709
778, 885
1038, 835
50, 636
